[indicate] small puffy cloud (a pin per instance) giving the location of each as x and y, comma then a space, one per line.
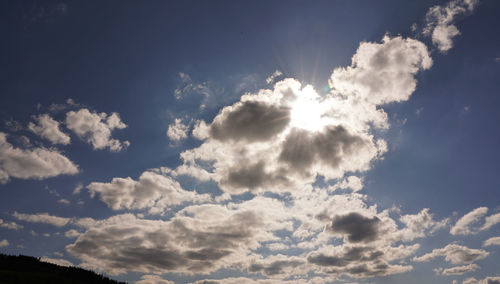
44, 218
71, 233
459, 270
4, 243
356, 227
153, 279
154, 191
463, 225
440, 22
64, 201
382, 72
95, 128
10, 225
57, 261
46, 127
455, 254
273, 76
418, 225
493, 241
34, 163
177, 131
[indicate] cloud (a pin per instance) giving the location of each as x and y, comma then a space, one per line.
188, 88
455, 254
153, 279
71, 233
356, 227
95, 128
282, 138
384, 72
198, 239
493, 241
250, 121
4, 243
440, 22
154, 191
10, 225
273, 76
459, 270
463, 225
420, 224
178, 130
490, 221
34, 163
356, 261
57, 261
353, 182
487, 280
279, 265
44, 218
46, 127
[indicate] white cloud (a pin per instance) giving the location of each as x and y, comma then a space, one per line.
490, 221
384, 72
177, 131
44, 218
463, 225
487, 280
440, 22
57, 261
71, 233
95, 128
10, 225
154, 191
46, 127
459, 270
64, 201
493, 241
4, 243
455, 254
273, 76
34, 163
153, 279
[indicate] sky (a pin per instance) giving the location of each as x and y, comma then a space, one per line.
253, 141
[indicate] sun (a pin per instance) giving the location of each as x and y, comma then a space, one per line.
307, 111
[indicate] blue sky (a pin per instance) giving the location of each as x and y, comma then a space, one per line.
253, 142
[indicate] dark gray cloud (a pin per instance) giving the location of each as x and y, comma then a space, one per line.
275, 267
302, 148
185, 244
357, 227
250, 121
357, 262
252, 176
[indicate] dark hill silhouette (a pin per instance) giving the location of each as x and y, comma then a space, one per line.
28, 269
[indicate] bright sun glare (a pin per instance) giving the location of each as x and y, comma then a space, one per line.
307, 111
